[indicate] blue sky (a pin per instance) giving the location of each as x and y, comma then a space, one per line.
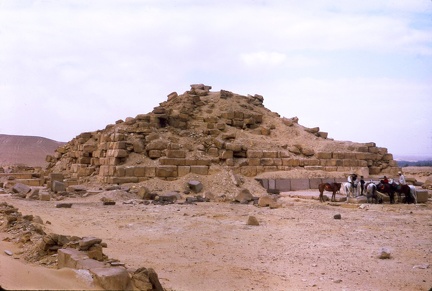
72, 66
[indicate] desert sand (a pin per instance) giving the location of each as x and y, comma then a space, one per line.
210, 246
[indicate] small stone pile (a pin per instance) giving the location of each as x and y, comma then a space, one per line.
64, 251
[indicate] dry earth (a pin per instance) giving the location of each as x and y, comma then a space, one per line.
209, 246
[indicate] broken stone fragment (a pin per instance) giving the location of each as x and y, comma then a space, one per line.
195, 186
86, 242
252, 220
384, 253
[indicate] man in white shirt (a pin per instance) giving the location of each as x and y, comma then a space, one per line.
401, 179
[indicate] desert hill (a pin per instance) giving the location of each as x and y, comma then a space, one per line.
204, 132
26, 150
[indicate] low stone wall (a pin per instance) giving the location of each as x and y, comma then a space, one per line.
285, 185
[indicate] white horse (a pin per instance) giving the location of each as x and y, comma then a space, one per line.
349, 190
413, 192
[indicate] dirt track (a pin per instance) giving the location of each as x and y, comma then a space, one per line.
209, 246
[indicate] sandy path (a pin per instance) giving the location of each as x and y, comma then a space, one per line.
208, 246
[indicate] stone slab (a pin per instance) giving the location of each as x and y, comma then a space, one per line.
299, 184
283, 185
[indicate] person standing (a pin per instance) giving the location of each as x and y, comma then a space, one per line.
401, 178
362, 185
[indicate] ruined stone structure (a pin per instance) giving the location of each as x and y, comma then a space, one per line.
203, 132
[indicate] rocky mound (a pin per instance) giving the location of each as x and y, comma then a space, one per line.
203, 132
26, 150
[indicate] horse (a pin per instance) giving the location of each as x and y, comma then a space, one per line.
331, 187
413, 193
406, 190
350, 190
388, 189
371, 194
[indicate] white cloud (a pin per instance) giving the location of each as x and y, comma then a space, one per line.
85, 64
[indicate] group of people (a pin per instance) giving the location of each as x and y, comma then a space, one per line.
352, 179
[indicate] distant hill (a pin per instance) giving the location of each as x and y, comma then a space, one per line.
26, 150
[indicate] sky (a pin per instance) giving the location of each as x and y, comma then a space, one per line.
359, 70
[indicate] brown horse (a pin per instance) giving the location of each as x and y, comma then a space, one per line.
403, 189
331, 187
388, 189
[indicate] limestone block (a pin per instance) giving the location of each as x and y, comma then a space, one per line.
248, 171
243, 195
119, 145
178, 154
350, 156
154, 154
88, 264
299, 184
238, 114
267, 162
322, 155
166, 171
203, 162
44, 196
55, 177
373, 150
422, 196
21, 189
89, 148
271, 184
226, 154
312, 162
183, 170
337, 155
172, 161
382, 151
277, 162
349, 163
283, 185
263, 182
122, 180
200, 170
314, 182
374, 170
33, 194
290, 162
68, 258
214, 152
322, 134
254, 161
387, 157
139, 171
195, 186
150, 172
114, 278
254, 154
267, 201
235, 147
238, 123
117, 153
157, 144
95, 252
58, 186
270, 154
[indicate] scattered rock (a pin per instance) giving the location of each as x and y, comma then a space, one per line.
64, 205
195, 186
9, 253
252, 220
244, 195
421, 266
384, 253
337, 216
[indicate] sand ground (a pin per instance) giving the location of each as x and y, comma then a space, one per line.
209, 246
